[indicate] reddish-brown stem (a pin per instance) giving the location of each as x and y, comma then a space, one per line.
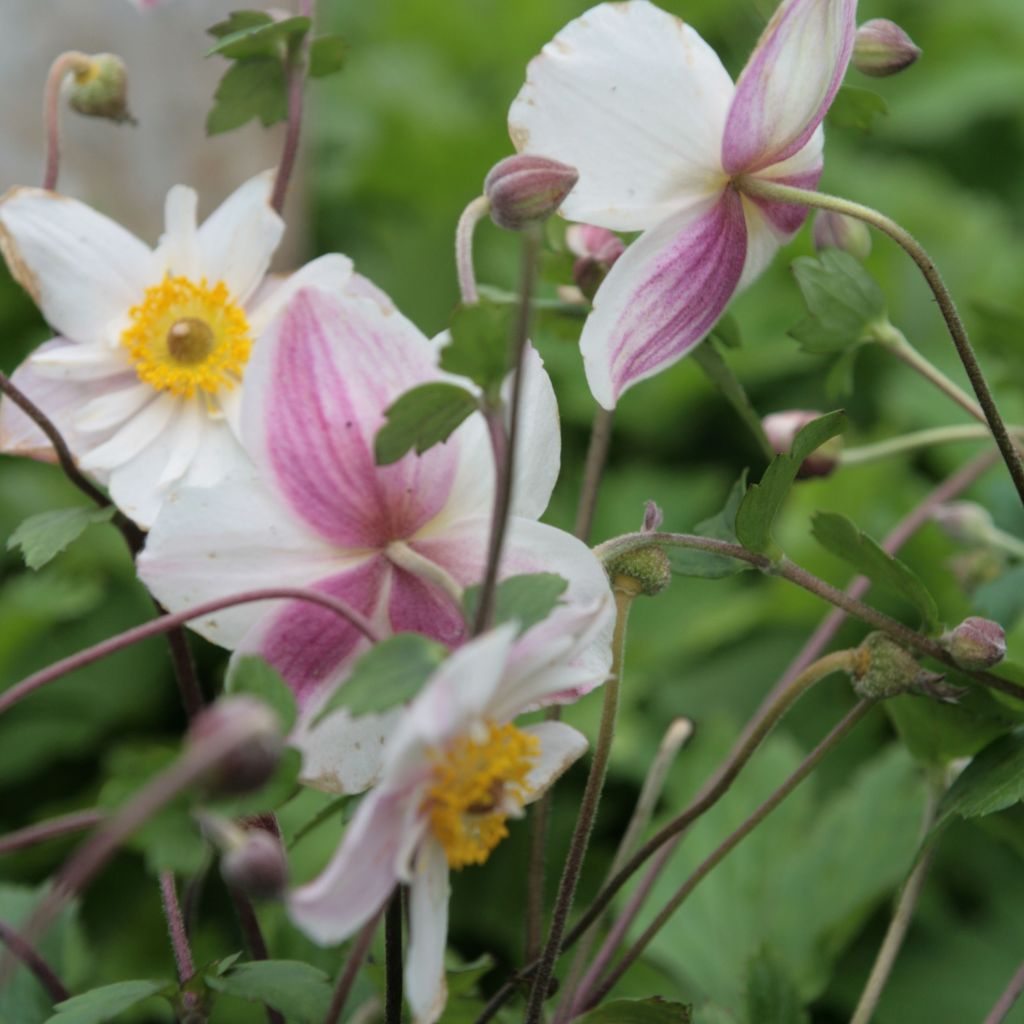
44, 973
297, 59
593, 471
1009, 997
59, 70
253, 936
347, 978
76, 821
176, 927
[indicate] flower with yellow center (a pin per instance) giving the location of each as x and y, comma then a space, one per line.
145, 376
454, 770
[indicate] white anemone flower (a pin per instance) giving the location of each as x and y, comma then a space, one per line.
144, 379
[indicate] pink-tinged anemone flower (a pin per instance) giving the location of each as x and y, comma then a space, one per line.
398, 542
455, 769
145, 378
643, 108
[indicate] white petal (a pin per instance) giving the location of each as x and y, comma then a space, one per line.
560, 746
179, 246
636, 101
187, 436
113, 407
83, 270
425, 985
238, 239
332, 273
134, 436
81, 362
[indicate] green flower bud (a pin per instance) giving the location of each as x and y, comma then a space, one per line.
649, 568
99, 88
882, 668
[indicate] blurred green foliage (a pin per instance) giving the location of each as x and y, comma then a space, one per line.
398, 143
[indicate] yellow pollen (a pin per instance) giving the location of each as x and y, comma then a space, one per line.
477, 783
186, 337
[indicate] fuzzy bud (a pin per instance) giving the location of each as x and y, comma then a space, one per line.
648, 568
99, 88
257, 866
526, 190
781, 429
833, 230
964, 521
882, 668
596, 249
882, 48
976, 643
653, 517
250, 764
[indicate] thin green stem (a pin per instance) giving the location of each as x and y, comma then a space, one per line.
765, 189
917, 440
593, 471
296, 63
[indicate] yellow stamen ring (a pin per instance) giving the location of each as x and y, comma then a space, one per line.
186, 337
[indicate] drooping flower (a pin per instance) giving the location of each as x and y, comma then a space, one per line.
455, 769
662, 138
397, 542
144, 380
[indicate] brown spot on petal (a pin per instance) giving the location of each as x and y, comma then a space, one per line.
19, 269
520, 136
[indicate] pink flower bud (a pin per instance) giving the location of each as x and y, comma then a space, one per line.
882, 48
525, 189
837, 231
976, 643
964, 521
782, 427
257, 866
596, 250
653, 517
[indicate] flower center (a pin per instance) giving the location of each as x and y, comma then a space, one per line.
186, 337
478, 783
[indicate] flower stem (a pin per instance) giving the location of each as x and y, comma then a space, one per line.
45, 974
468, 220
253, 936
1006, 1001
504, 443
296, 61
356, 958
917, 440
593, 471
625, 591
393, 959
65, 825
762, 188
59, 70
169, 622
176, 927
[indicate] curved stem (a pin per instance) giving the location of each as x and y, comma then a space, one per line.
762, 188
1006, 1001
468, 220
593, 471
253, 936
916, 440
356, 958
59, 70
45, 974
176, 927
67, 824
169, 622
298, 54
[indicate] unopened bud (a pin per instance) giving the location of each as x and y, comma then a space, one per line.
653, 517
99, 88
882, 668
648, 568
833, 230
252, 762
976, 643
882, 48
781, 429
525, 189
596, 249
257, 865
964, 521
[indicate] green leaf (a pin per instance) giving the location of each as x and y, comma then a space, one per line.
837, 534
46, 535
299, 991
249, 89
763, 500
254, 676
239, 21
856, 107
993, 781
258, 39
480, 346
526, 599
105, 1003
462, 980
703, 564
327, 56
843, 300
389, 673
770, 996
727, 332
421, 418
653, 1010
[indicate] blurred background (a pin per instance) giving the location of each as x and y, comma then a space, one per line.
395, 146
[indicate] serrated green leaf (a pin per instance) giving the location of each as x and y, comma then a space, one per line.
480, 346
653, 1010
843, 300
421, 418
249, 89
762, 502
298, 990
238, 21
993, 781
389, 673
254, 676
856, 107
703, 564
838, 535
327, 55
770, 996
42, 537
262, 39
105, 1003
526, 599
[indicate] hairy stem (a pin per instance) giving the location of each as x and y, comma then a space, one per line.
468, 220
347, 978
762, 188
296, 62
593, 471
176, 927
66, 824
45, 974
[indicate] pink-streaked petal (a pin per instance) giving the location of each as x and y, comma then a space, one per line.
178, 250
211, 542
359, 877
789, 83
663, 295
83, 270
425, 985
316, 390
416, 606
331, 273
636, 101
560, 747
238, 239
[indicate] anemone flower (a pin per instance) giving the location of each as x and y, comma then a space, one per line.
399, 542
663, 141
455, 769
145, 378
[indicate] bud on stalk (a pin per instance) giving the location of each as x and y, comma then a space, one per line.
526, 190
976, 643
882, 48
837, 231
250, 765
781, 429
99, 88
